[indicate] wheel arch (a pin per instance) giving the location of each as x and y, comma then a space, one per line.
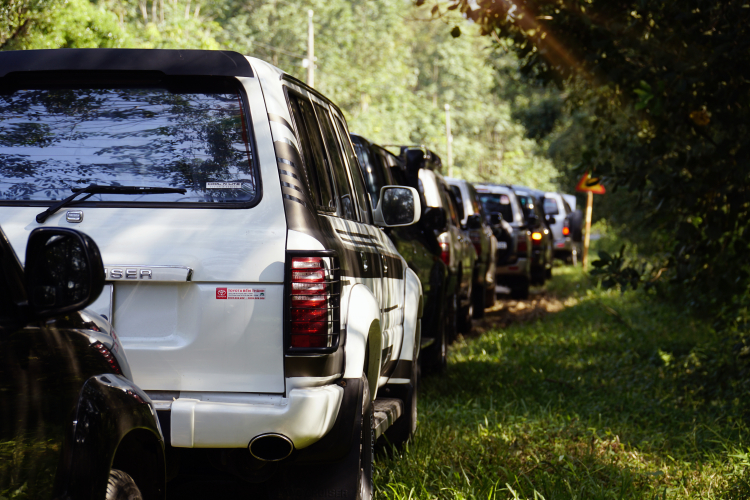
139, 453
363, 336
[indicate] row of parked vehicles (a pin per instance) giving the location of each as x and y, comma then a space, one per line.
275, 282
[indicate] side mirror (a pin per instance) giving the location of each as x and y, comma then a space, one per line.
64, 271
495, 219
551, 219
435, 219
398, 206
474, 221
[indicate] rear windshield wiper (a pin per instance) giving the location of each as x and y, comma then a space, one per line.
96, 189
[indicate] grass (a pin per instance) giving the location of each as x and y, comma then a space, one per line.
580, 394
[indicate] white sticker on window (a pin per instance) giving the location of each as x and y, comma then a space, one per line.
227, 293
223, 185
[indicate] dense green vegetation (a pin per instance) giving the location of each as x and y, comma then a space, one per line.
657, 102
585, 394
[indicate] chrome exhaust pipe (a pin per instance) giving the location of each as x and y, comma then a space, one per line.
271, 447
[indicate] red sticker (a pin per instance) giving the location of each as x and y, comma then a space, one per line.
221, 293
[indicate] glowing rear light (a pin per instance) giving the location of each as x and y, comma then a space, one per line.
313, 315
108, 357
536, 237
445, 253
566, 231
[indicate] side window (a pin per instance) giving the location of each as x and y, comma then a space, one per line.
447, 198
307, 125
336, 164
305, 150
567, 207
354, 173
459, 201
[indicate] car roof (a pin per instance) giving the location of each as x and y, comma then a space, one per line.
167, 61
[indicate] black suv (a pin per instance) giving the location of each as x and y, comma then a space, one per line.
419, 246
71, 423
542, 239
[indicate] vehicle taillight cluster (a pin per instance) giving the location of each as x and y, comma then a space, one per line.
536, 238
566, 229
477, 241
108, 356
521, 247
314, 304
445, 253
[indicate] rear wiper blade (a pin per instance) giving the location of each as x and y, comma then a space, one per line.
97, 189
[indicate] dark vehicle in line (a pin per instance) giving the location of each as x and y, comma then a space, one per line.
542, 239
477, 223
419, 246
72, 424
513, 269
422, 171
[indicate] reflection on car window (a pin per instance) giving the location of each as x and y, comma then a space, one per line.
550, 206
336, 164
497, 203
55, 139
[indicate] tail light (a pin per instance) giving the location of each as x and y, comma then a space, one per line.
108, 357
477, 241
536, 238
445, 253
566, 229
521, 247
313, 322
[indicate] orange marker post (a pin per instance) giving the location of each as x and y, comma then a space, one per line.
589, 185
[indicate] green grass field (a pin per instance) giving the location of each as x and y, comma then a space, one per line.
584, 394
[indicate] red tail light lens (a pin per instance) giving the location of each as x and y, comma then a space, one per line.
521, 247
566, 230
477, 244
108, 357
314, 304
445, 253
536, 238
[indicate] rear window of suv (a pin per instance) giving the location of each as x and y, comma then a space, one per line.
147, 135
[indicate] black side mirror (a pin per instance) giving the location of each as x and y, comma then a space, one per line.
533, 220
474, 221
495, 219
435, 219
551, 219
64, 271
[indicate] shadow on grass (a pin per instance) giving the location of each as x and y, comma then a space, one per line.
608, 396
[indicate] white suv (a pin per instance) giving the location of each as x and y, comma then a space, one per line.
260, 303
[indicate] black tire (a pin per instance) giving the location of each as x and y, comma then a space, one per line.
538, 276
122, 487
520, 289
490, 297
465, 318
405, 427
366, 446
479, 300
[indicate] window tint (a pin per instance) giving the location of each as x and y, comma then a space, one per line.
495, 203
449, 202
459, 201
372, 170
354, 174
336, 165
550, 206
305, 150
317, 170
190, 137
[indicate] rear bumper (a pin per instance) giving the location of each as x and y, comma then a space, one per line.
519, 267
225, 420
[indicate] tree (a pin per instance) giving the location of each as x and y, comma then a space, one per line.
667, 86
